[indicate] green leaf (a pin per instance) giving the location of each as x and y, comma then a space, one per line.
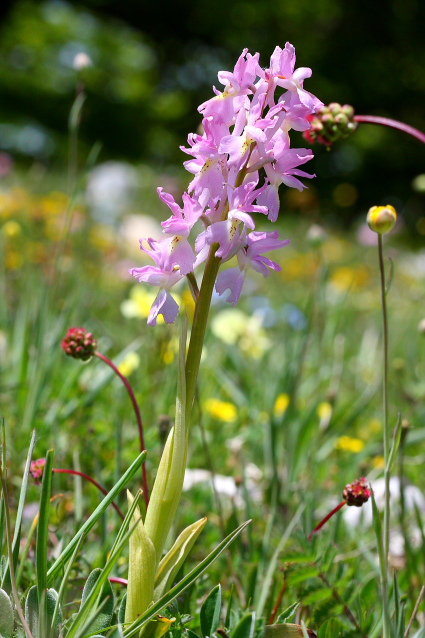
6, 615
420, 633
141, 568
300, 575
318, 596
174, 559
104, 619
186, 582
210, 612
92, 520
332, 628
20, 511
121, 611
246, 627
32, 612
289, 613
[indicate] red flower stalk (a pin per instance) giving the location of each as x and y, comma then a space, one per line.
335, 122
80, 344
356, 493
37, 469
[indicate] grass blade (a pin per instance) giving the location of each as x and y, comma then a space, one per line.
92, 520
42, 542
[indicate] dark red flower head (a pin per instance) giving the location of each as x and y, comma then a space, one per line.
331, 123
357, 492
79, 343
37, 469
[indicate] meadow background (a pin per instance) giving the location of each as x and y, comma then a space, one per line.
290, 404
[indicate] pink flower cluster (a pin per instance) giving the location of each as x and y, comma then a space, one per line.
245, 141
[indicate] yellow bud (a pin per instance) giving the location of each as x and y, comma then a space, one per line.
381, 219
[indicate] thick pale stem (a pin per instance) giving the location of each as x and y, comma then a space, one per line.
387, 475
199, 327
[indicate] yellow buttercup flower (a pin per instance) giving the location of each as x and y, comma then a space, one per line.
346, 278
281, 405
378, 462
349, 444
11, 229
129, 364
221, 410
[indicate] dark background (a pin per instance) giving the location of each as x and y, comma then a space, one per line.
155, 62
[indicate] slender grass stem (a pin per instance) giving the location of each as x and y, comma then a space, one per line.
92, 480
387, 434
415, 611
138, 418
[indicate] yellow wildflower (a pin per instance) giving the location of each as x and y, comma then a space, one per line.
324, 412
188, 303
139, 304
378, 462
347, 278
129, 364
11, 229
281, 405
221, 410
349, 444
234, 326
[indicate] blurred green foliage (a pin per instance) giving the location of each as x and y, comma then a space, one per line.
152, 64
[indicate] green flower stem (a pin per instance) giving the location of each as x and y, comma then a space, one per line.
200, 320
387, 435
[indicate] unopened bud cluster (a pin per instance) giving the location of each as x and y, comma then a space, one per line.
79, 343
330, 124
357, 493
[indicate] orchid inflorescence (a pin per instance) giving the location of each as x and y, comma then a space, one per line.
245, 129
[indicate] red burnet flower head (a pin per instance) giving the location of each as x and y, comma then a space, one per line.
37, 469
357, 493
331, 123
79, 343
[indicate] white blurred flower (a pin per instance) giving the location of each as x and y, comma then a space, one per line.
233, 326
82, 61
111, 191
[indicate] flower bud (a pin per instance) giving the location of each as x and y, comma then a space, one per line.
381, 219
37, 469
79, 343
357, 493
331, 123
